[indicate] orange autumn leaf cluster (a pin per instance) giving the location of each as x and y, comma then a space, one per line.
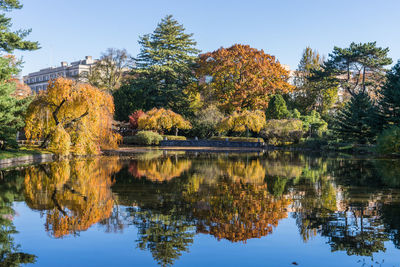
241, 77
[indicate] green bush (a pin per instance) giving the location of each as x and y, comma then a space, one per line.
173, 137
143, 138
281, 132
205, 122
389, 141
237, 139
314, 124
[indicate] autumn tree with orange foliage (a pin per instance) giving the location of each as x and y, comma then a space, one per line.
240, 77
71, 116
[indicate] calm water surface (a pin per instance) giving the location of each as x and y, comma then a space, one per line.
271, 209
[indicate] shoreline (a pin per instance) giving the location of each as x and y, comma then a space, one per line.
27, 159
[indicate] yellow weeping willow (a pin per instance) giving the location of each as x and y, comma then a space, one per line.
74, 195
72, 117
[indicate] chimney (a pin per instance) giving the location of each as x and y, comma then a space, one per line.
89, 60
64, 64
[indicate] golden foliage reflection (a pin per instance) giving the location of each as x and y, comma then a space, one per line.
159, 170
73, 194
237, 211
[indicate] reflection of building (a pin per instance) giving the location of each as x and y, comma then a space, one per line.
39, 80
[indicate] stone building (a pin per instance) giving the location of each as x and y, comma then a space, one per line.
39, 80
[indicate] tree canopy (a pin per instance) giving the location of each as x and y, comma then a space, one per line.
71, 115
9, 40
390, 100
240, 77
355, 122
243, 121
12, 109
277, 108
316, 89
163, 70
162, 120
359, 67
107, 73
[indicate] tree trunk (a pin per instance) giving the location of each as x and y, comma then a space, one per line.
363, 81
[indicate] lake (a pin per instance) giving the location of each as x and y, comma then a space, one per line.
202, 209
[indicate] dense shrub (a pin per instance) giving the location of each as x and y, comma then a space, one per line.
143, 138
280, 132
314, 124
389, 141
173, 137
206, 121
236, 139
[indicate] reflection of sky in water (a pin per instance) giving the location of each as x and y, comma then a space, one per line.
94, 247
168, 193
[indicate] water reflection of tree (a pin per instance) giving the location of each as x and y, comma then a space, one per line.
161, 169
346, 208
242, 197
235, 210
11, 189
166, 236
249, 171
163, 220
73, 194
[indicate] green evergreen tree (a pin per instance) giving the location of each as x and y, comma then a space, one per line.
356, 121
277, 108
358, 68
11, 109
390, 101
163, 70
9, 41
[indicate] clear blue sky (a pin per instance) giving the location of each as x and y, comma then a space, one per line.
70, 29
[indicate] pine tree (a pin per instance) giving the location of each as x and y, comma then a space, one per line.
11, 108
163, 69
356, 122
9, 41
358, 68
277, 108
390, 101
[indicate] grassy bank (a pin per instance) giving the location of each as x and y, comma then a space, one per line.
23, 151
